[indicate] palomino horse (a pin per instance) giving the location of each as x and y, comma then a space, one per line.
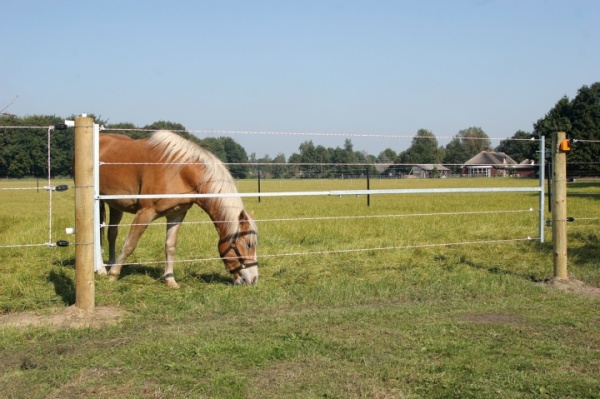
166, 163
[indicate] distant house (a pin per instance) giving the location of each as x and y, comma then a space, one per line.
429, 170
489, 164
382, 167
527, 168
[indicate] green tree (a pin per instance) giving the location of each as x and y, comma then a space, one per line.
23, 152
216, 146
423, 150
308, 158
263, 167
278, 169
313, 161
63, 146
520, 147
322, 156
21, 164
130, 130
387, 156
294, 161
557, 119
465, 145
237, 158
167, 125
579, 117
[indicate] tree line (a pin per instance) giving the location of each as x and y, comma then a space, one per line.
23, 152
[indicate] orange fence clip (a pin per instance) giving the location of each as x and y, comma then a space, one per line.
565, 145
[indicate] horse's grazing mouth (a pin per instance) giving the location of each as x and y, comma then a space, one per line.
248, 276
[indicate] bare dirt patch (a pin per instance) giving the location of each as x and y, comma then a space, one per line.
71, 317
575, 286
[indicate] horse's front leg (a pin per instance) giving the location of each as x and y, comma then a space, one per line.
173, 225
139, 225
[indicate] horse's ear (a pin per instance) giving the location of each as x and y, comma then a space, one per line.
245, 216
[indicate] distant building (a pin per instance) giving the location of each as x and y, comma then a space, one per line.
422, 171
382, 167
491, 164
527, 168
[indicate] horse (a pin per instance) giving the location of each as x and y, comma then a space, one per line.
166, 163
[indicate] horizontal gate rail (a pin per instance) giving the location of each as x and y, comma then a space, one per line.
337, 193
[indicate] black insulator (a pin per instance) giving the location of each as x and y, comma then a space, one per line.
61, 126
62, 187
62, 243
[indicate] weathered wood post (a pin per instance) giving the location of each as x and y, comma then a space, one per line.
84, 214
559, 207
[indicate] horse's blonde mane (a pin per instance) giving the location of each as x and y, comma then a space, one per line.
216, 176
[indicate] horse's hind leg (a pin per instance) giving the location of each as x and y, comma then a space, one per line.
113, 231
102, 269
139, 225
173, 225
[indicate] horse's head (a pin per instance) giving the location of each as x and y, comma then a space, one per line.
238, 251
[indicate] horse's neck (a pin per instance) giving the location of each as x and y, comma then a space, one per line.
222, 211
218, 217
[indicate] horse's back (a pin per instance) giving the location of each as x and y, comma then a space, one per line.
110, 143
115, 136
121, 170
134, 166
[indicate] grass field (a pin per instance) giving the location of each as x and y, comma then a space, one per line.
352, 301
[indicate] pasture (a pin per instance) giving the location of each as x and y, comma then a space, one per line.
352, 301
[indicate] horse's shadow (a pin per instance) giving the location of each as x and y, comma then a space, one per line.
65, 287
212, 278
156, 273
135, 269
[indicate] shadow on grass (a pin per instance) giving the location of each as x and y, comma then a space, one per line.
70, 263
64, 286
588, 250
213, 278
545, 247
154, 272
497, 270
157, 274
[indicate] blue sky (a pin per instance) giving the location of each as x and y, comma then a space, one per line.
347, 67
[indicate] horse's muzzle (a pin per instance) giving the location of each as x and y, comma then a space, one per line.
247, 275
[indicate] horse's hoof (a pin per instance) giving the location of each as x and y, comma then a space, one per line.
112, 277
102, 271
172, 284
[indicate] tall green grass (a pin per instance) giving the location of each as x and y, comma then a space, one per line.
423, 320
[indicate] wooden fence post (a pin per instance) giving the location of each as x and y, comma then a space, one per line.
84, 214
559, 207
